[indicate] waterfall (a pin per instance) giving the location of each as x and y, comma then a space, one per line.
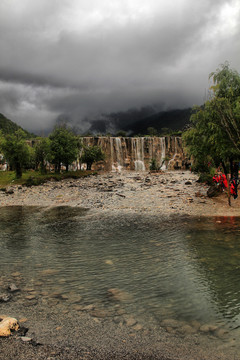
175, 152
138, 152
119, 154
112, 154
163, 153
127, 153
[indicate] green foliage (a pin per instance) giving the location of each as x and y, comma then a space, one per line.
152, 131
16, 151
153, 165
64, 147
92, 154
215, 132
42, 154
121, 133
166, 131
9, 127
31, 178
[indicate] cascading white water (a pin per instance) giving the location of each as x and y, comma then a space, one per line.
138, 152
135, 153
119, 153
163, 153
112, 153
175, 151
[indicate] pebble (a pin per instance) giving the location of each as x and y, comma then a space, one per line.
25, 339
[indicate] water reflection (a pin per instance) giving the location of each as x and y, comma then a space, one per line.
214, 243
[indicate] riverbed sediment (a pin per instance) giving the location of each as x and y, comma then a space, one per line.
78, 334
174, 192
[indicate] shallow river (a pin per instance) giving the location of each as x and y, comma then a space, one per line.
164, 271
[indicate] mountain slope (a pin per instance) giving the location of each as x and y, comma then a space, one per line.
9, 127
172, 119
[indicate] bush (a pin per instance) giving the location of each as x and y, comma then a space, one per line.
153, 165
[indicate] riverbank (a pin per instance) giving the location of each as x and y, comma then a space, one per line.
91, 333
171, 192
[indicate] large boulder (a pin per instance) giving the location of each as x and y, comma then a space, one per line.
7, 325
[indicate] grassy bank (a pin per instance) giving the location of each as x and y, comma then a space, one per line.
30, 177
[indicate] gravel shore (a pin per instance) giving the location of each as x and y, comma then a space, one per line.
78, 335
174, 192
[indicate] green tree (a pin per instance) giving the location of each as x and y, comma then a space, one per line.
92, 154
121, 133
214, 135
63, 147
152, 131
42, 154
16, 151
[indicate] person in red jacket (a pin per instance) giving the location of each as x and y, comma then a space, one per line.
233, 189
216, 179
223, 181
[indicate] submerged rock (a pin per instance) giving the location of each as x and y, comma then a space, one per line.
118, 295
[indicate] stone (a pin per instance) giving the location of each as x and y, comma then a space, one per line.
9, 191
5, 297
7, 325
108, 262
49, 272
130, 321
16, 274
187, 329
138, 327
78, 307
213, 191
89, 307
25, 339
207, 328
13, 288
23, 320
196, 324
172, 323
221, 333
97, 313
118, 295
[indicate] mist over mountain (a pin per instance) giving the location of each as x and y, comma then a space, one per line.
137, 121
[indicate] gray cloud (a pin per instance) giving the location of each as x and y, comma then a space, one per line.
89, 57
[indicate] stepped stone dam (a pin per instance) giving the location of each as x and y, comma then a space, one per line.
136, 153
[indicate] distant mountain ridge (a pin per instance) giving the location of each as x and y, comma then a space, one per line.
172, 119
9, 127
137, 121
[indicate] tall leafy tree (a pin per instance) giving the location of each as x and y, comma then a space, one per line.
215, 131
63, 146
92, 154
16, 151
42, 154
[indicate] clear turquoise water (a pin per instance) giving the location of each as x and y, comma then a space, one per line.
180, 268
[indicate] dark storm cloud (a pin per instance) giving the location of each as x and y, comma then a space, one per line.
81, 58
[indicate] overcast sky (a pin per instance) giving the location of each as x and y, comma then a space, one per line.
79, 58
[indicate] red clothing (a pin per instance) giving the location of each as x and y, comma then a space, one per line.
217, 179
224, 180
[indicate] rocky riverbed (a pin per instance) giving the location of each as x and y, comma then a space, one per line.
171, 192
62, 328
